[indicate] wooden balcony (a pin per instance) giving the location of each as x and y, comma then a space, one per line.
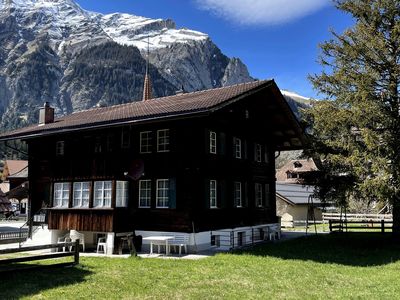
97, 220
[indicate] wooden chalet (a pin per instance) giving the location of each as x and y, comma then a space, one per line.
192, 163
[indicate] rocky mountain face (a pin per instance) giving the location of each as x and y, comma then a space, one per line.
53, 50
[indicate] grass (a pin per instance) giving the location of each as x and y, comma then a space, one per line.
336, 266
311, 228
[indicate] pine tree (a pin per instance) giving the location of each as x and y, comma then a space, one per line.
356, 131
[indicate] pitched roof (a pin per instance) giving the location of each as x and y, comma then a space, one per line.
295, 194
177, 106
295, 166
14, 167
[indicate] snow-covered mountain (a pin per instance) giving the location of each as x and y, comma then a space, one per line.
53, 50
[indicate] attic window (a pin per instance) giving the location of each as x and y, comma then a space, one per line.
60, 147
125, 138
297, 164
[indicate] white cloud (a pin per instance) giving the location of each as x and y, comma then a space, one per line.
262, 12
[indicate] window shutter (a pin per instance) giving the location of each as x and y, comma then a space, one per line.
234, 147
221, 198
172, 193
266, 154
267, 195
207, 141
246, 195
207, 193
222, 143
245, 149
47, 194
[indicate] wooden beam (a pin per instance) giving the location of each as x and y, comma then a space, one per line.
36, 257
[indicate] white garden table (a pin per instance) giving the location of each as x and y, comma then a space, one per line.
159, 240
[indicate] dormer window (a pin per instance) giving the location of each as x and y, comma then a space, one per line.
60, 148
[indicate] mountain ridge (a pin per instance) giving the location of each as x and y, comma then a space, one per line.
55, 51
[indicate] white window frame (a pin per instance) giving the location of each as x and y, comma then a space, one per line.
257, 152
213, 142
121, 193
238, 194
145, 193
238, 147
60, 148
213, 193
146, 141
61, 195
79, 190
162, 193
163, 137
258, 195
105, 200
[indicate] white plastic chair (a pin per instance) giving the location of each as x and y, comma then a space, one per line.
75, 235
180, 241
102, 245
64, 239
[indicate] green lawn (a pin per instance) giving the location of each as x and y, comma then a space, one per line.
336, 266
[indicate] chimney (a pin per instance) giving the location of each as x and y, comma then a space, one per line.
46, 114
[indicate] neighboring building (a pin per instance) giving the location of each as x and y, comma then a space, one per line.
193, 163
15, 174
295, 170
293, 204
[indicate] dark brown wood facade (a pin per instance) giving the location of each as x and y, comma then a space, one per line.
98, 154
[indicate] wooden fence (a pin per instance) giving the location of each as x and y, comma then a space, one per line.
8, 264
370, 222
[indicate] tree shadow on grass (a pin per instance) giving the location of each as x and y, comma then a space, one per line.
351, 249
24, 283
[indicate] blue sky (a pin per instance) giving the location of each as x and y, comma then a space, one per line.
274, 38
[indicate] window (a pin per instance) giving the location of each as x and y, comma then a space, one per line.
267, 195
215, 240
238, 194
257, 152
163, 140
241, 238
145, 142
237, 143
213, 142
144, 193
213, 194
98, 145
162, 193
60, 147
125, 138
102, 194
110, 142
81, 194
61, 194
258, 194
122, 194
